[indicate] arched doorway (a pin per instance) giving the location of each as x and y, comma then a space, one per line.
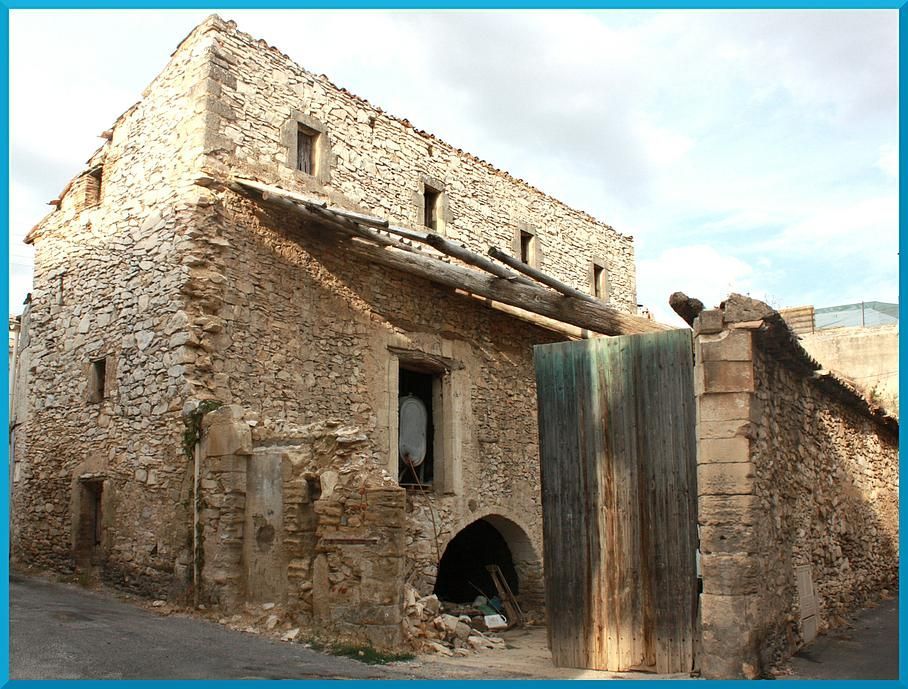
492, 540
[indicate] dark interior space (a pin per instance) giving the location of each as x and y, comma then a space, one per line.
462, 569
419, 385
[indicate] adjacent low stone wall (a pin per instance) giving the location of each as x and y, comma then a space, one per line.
869, 357
797, 475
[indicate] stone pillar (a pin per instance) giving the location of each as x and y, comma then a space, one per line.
226, 446
728, 507
358, 574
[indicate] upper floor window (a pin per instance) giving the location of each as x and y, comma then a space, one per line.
432, 204
305, 149
431, 198
308, 146
97, 380
599, 280
526, 245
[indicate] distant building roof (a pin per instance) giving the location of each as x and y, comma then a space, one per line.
867, 314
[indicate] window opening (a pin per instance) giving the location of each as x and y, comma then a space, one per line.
98, 175
526, 247
97, 379
600, 282
92, 515
430, 199
416, 428
305, 150
96, 514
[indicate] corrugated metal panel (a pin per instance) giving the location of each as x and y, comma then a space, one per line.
617, 445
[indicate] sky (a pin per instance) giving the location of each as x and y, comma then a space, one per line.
745, 151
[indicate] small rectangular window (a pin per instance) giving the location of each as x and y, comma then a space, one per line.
430, 201
97, 176
305, 150
97, 380
600, 282
527, 246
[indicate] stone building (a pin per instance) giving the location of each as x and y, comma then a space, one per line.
230, 304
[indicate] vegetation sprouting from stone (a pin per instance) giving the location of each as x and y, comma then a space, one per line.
193, 423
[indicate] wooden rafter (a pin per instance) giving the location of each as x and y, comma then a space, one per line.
505, 287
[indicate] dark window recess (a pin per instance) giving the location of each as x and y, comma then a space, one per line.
526, 247
305, 150
98, 175
60, 289
419, 471
97, 378
430, 199
600, 282
96, 514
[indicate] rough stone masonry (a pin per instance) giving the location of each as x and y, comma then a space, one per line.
212, 400
798, 492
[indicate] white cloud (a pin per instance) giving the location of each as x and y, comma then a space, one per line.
888, 161
760, 134
700, 272
861, 231
663, 146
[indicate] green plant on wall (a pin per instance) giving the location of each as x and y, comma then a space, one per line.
193, 423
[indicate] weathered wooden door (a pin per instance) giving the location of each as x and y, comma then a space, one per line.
617, 446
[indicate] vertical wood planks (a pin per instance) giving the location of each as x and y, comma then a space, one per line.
617, 443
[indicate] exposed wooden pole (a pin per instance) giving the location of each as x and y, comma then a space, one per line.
467, 256
345, 216
570, 331
539, 276
587, 313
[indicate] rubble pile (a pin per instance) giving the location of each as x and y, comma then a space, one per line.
429, 629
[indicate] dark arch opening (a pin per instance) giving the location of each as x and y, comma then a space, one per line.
462, 572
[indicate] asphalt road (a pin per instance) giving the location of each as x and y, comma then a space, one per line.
867, 649
60, 631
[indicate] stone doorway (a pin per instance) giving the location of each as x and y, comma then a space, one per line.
89, 532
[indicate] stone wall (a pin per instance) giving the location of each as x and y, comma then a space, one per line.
304, 519
379, 164
305, 335
795, 469
158, 291
108, 274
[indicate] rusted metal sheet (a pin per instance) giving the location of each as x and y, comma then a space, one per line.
617, 446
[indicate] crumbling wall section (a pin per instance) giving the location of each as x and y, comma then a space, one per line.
381, 164
793, 470
325, 543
